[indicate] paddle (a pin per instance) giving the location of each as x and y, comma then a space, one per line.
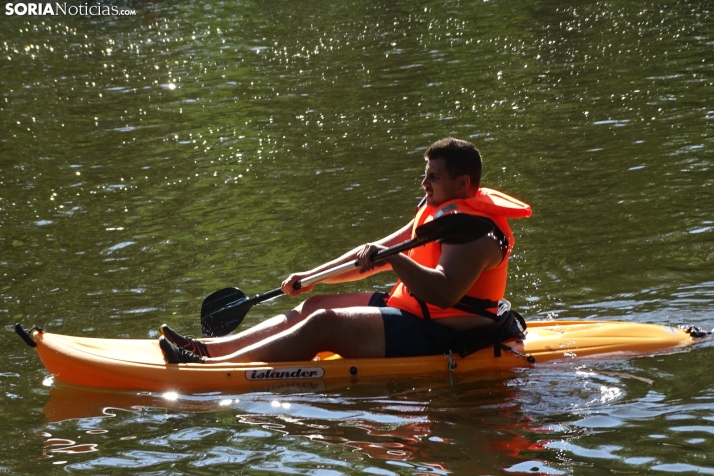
223, 311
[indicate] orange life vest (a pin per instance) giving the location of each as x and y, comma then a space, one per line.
482, 298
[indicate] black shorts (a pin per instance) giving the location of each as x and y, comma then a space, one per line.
407, 335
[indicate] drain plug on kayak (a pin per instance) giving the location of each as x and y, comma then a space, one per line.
353, 371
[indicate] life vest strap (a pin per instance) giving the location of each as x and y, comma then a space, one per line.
512, 326
424, 308
480, 307
471, 305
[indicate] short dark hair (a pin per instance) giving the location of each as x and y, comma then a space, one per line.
460, 158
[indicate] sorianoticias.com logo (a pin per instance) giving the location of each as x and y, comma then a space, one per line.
54, 9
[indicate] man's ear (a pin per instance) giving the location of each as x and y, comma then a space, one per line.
464, 182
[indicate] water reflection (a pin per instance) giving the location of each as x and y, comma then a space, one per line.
395, 427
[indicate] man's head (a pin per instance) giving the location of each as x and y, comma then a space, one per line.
453, 170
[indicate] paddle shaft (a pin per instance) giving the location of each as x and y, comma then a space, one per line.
339, 269
343, 268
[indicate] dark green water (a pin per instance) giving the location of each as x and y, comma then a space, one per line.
148, 160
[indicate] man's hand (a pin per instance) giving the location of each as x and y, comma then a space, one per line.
364, 257
287, 286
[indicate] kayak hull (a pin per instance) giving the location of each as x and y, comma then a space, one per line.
137, 364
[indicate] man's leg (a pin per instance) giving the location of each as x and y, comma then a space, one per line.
230, 344
355, 332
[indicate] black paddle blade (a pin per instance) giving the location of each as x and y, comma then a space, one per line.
225, 320
455, 228
219, 299
221, 312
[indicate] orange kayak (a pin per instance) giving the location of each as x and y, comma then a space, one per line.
137, 364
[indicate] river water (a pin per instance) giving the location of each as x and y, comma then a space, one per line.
148, 160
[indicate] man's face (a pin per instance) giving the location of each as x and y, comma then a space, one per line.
437, 184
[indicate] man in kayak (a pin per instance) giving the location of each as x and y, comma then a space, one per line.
444, 291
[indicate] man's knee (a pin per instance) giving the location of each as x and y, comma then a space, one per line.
320, 322
333, 301
312, 304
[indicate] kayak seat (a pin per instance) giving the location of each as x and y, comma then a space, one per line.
511, 325
326, 355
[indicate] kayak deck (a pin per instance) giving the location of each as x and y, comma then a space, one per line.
138, 364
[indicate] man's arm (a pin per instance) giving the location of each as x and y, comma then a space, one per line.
458, 269
403, 234
397, 237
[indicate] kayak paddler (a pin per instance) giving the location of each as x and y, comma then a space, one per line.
444, 290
